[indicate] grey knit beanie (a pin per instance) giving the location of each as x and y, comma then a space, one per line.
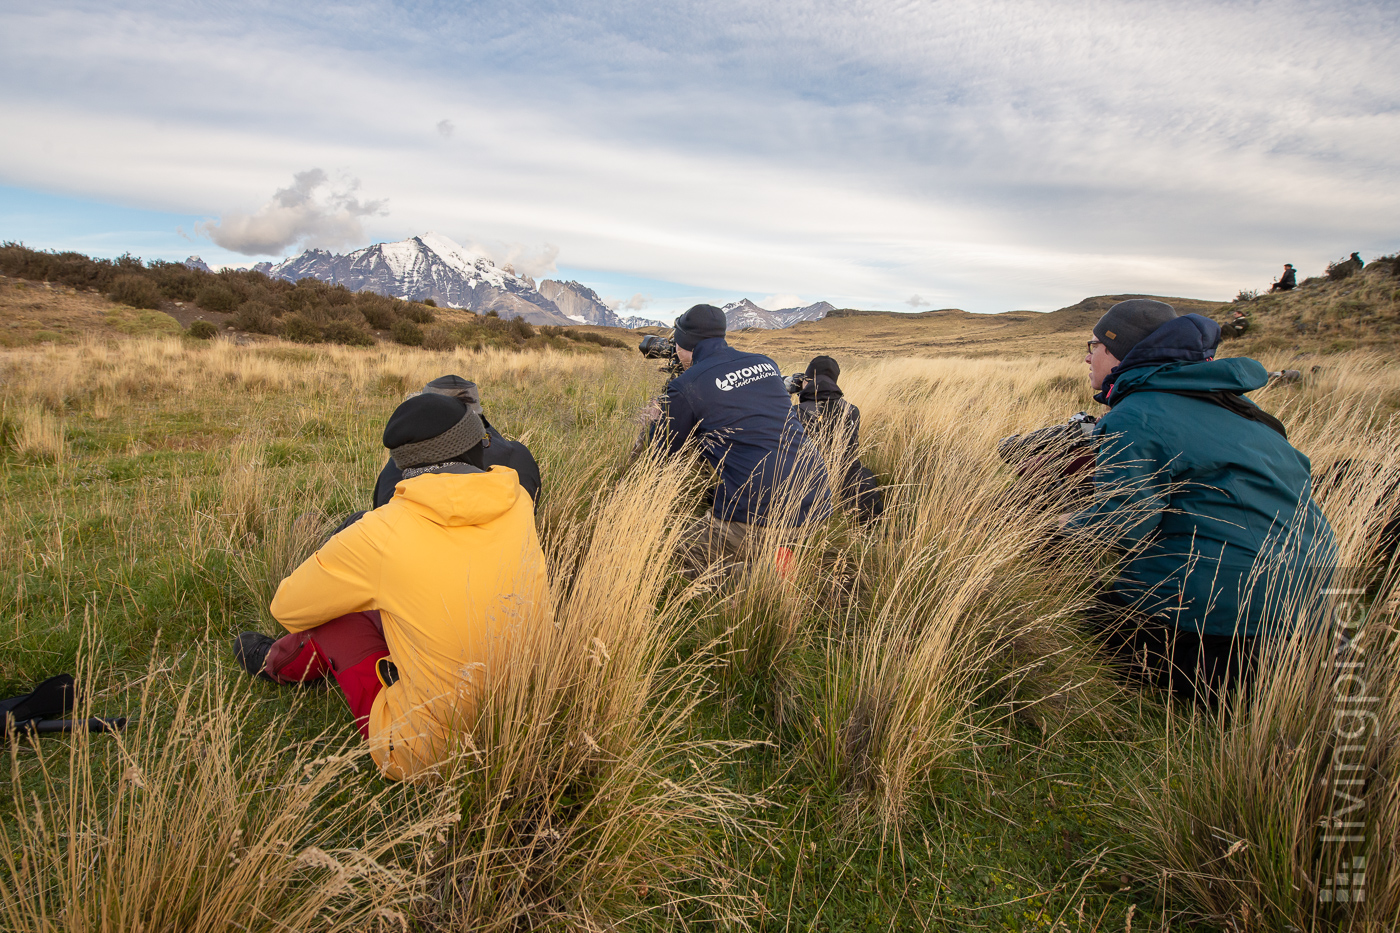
1129, 321
701, 322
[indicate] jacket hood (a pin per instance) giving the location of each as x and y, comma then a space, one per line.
454, 499
1236, 375
1189, 338
819, 388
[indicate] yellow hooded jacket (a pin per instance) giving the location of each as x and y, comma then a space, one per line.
453, 564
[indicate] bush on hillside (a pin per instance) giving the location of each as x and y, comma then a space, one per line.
521, 328
377, 310
418, 314
202, 330
215, 297
299, 328
439, 337
257, 318
352, 335
136, 291
407, 333
429, 302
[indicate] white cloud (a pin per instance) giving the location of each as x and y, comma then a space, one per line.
992, 156
445, 129
782, 302
311, 212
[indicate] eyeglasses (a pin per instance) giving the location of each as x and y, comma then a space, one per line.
1094, 343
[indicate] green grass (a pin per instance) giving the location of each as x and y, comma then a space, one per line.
152, 539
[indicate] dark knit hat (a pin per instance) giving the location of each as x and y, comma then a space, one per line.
1129, 321
699, 323
431, 428
824, 366
463, 389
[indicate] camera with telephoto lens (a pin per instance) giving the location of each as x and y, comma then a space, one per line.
656, 347
1070, 439
794, 383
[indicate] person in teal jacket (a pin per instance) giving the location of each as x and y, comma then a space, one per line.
1206, 495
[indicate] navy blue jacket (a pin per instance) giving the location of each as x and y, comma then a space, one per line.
749, 431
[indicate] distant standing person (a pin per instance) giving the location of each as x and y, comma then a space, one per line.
1286, 282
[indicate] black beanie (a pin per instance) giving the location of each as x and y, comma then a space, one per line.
824, 366
431, 428
1129, 321
699, 323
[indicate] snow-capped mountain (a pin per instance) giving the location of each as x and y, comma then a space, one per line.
579, 303
199, 265
428, 266
814, 312
745, 313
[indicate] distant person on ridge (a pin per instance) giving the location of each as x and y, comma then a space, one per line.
1204, 488
735, 404
1286, 282
407, 607
827, 415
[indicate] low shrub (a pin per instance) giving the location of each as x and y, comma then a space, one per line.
1247, 294
301, 329
429, 302
407, 333
348, 333
417, 313
439, 337
215, 297
136, 291
377, 310
519, 327
257, 318
202, 330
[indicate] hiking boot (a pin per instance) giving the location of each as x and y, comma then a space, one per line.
250, 650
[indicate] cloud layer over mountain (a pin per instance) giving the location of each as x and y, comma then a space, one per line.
996, 155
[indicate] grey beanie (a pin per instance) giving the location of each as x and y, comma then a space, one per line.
1129, 321
699, 323
463, 389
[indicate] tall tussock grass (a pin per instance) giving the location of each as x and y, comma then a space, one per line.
607, 781
585, 804
200, 817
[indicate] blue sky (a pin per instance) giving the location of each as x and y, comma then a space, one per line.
894, 155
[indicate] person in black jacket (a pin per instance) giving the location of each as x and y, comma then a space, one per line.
736, 405
835, 422
1286, 282
498, 450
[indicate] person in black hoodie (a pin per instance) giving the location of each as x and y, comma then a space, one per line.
835, 423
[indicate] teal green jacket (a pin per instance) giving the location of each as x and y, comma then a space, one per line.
1217, 509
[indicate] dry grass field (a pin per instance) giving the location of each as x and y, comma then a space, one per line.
911, 731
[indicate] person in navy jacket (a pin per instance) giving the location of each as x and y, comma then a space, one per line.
736, 405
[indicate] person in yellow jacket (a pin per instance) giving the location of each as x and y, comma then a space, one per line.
409, 606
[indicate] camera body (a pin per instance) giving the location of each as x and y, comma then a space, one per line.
656, 347
794, 383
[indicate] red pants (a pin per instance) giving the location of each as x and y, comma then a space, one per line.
348, 647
